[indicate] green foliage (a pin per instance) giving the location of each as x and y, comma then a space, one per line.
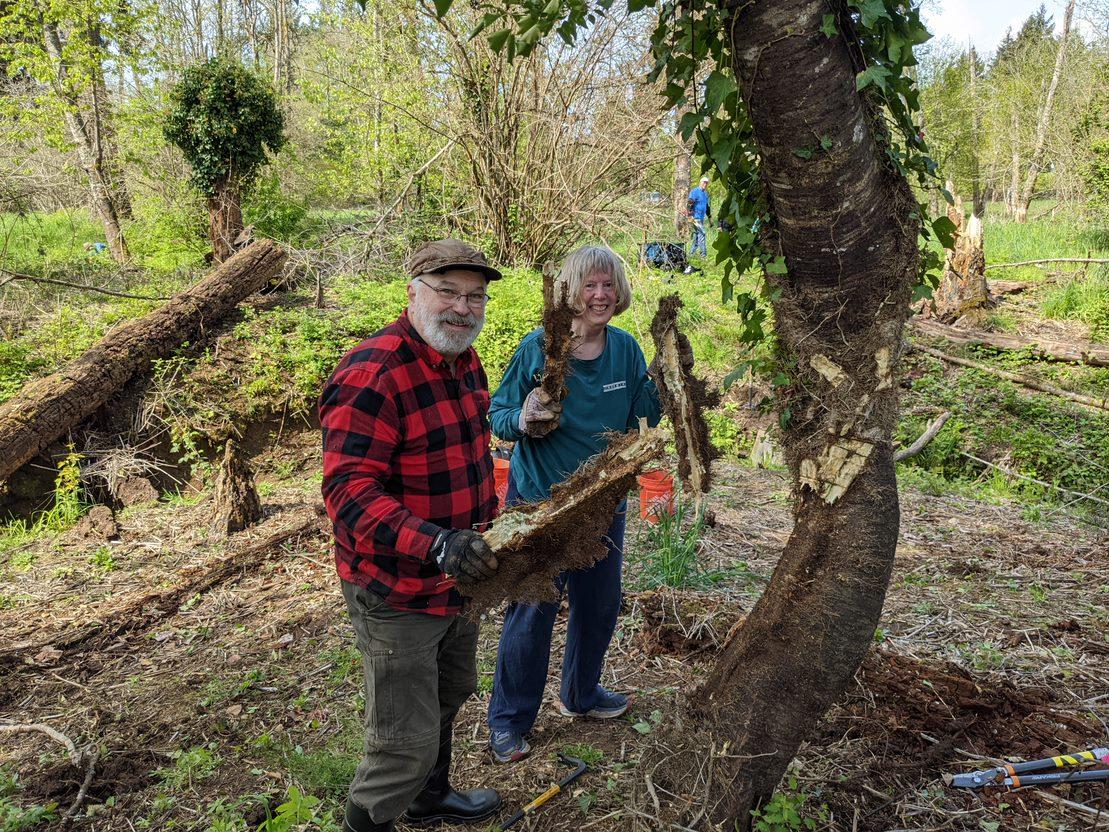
785, 812
16, 818
1084, 300
670, 556
225, 119
297, 812
273, 213
190, 766
67, 510
724, 432
588, 754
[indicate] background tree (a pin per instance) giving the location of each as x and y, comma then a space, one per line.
61, 50
225, 120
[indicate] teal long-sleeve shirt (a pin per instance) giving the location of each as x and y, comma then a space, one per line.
608, 393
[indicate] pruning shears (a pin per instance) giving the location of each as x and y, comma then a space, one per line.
1077, 769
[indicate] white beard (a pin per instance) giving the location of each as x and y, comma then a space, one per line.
448, 342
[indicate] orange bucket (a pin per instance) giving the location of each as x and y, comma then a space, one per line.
500, 479
656, 495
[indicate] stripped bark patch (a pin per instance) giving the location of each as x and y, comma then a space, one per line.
685, 398
536, 542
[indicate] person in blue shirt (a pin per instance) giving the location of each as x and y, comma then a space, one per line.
609, 389
700, 212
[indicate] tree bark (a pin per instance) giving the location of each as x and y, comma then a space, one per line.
45, 409
1014, 173
846, 226
225, 219
978, 195
86, 133
1025, 198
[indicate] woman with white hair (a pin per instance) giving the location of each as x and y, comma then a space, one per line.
609, 389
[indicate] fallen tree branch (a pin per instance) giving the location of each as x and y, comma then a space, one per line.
74, 807
1031, 383
922, 441
1044, 350
1027, 478
54, 734
148, 608
14, 276
1048, 260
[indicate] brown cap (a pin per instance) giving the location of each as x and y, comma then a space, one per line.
443, 255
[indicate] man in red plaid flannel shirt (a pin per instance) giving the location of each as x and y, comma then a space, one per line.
408, 484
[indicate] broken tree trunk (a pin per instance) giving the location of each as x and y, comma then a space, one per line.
235, 503
1044, 350
1091, 402
536, 542
45, 409
685, 398
963, 290
225, 219
558, 336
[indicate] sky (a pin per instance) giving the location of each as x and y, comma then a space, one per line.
983, 22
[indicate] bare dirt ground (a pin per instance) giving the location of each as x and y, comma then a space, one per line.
212, 677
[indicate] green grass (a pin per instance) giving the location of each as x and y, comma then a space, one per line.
1084, 300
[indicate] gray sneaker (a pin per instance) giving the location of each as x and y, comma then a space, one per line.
507, 747
609, 706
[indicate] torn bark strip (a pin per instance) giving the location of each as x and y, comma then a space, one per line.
558, 336
535, 542
685, 398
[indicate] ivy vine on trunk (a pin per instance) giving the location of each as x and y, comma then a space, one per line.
226, 120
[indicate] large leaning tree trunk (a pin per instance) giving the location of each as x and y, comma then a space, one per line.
846, 224
45, 409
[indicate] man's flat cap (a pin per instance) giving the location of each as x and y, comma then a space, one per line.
443, 255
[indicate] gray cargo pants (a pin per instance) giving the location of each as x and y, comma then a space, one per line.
418, 671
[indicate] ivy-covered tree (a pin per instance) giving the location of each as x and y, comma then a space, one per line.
808, 119
226, 121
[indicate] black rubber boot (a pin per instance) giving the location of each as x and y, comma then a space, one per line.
439, 803
358, 819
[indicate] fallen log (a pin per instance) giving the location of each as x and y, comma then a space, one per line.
922, 441
558, 336
1043, 350
45, 409
1031, 383
1086, 260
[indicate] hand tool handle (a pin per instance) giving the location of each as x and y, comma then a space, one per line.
1062, 761
531, 807
1058, 777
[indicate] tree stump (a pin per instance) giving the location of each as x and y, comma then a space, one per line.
235, 503
963, 293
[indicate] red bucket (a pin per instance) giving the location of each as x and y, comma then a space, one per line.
656, 495
500, 479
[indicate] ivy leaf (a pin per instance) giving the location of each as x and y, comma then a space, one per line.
947, 196
826, 143
803, 152
922, 291
497, 39
642, 727
945, 231
736, 374
442, 7
872, 11
776, 266
828, 27
872, 75
718, 86
689, 123
639, 5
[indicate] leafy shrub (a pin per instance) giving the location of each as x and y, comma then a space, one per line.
273, 213
784, 812
724, 431
1083, 300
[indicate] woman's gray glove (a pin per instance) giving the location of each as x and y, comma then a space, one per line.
464, 554
540, 414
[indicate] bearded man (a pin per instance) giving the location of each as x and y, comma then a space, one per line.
408, 484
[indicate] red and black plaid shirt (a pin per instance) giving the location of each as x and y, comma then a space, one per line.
405, 454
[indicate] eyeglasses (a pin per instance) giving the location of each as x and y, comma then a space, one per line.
450, 297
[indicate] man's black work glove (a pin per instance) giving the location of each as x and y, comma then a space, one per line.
464, 554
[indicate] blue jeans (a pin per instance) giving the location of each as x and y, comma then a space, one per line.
525, 649
698, 246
